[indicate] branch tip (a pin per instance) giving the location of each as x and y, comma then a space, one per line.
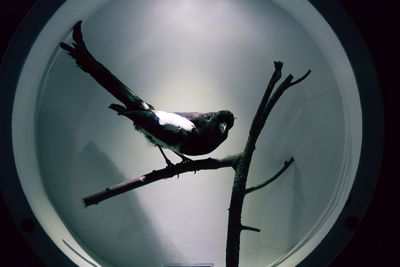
273, 178
278, 65
288, 162
301, 78
249, 228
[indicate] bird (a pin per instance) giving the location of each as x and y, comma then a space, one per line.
184, 133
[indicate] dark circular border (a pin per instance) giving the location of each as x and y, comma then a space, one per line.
11, 189
360, 195
372, 135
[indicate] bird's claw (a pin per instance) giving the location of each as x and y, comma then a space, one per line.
169, 163
186, 160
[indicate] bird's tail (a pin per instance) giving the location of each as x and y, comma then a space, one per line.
100, 73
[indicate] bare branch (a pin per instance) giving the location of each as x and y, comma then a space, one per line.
168, 172
273, 178
257, 121
239, 190
264, 113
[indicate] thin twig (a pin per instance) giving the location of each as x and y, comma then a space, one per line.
249, 228
273, 178
301, 78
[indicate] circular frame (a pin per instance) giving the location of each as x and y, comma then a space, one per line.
11, 189
372, 142
367, 172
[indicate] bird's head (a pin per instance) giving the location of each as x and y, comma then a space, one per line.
224, 119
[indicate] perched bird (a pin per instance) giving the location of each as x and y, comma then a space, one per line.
185, 133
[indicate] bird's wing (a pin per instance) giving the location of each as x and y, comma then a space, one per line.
197, 118
100, 73
170, 132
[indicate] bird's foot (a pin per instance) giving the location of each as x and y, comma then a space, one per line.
185, 160
170, 165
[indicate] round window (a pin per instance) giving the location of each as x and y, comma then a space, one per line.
64, 144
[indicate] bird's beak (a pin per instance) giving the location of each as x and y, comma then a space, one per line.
222, 127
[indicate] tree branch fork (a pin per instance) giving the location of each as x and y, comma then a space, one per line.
176, 170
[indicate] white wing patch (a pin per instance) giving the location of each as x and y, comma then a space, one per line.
167, 118
145, 106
